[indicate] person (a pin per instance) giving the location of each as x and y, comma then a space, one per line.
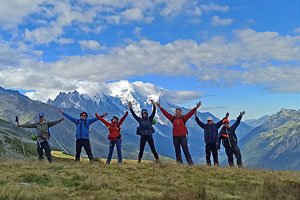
114, 136
42, 135
180, 132
145, 130
82, 134
229, 140
210, 137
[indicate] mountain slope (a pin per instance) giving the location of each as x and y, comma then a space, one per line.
242, 130
12, 103
10, 142
257, 122
277, 149
274, 121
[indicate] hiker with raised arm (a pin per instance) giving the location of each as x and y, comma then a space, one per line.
210, 137
114, 128
145, 130
229, 140
82, 134
180, 131
42, 135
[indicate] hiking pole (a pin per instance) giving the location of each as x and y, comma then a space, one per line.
17, 121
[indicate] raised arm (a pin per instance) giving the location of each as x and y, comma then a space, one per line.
201, 124
238, 121
28, 125
153, 111
123, 118
53, 123
72, 119
106, 123
92, 120
166, 114
133, 113
219, 124
190, 114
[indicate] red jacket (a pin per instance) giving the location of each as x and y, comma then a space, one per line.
179, 128
113, 129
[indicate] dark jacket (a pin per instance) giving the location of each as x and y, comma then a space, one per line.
210, 131
145, 123
228, 136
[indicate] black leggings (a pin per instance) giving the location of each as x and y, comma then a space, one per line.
183, 142
85, 143
143, 140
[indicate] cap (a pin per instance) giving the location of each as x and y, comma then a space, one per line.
144, 111
115, 117
84, 113
41, 114
209, 118
225, 121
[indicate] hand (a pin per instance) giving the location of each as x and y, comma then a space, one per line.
227, 114
153, 103
129, 104
196, 114
61, 111
105, 114
62, 119
158, 104
242, 113
198, 104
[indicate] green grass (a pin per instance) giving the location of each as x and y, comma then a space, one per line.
16, 145
65, 179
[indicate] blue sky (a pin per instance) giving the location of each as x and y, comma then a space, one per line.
239, 54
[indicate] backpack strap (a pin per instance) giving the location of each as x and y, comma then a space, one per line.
117, 125
77, 122
182, 117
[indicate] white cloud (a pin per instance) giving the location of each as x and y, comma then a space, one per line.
246, 59
65, 41
90, 44
297, 30
12, 12
137, 31
214, 7
217, 21
148, 90
133, 14
51, 18
66, 14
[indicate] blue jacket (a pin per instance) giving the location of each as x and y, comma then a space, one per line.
210, 131
82, 131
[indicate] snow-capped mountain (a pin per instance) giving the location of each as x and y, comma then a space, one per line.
115, 100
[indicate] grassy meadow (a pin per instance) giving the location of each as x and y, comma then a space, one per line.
65, 179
